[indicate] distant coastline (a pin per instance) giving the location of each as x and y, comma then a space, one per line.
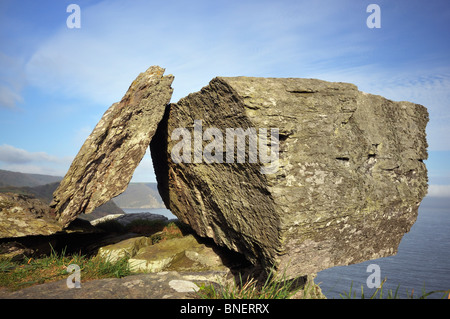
143, 207
161, 211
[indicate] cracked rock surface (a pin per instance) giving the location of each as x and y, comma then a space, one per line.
348, 181
163, 285
106, 162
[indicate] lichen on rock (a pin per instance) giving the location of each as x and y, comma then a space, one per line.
349, 180
105, 163
23, 215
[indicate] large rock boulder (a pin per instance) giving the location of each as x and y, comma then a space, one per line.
105, 163
341, 184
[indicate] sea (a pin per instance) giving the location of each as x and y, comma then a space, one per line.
421, 265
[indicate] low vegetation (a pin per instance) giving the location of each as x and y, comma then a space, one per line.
380, 293
271, 288
16, 275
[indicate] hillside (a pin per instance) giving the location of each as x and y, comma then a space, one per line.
43, 192
8, 178
137, 195
11, 182
140, 195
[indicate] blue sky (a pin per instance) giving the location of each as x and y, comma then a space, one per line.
56, 82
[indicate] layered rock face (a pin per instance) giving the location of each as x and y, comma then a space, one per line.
337, 180
105, 163
23, 215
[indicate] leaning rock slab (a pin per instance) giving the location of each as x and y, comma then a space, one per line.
105, 163
344, 188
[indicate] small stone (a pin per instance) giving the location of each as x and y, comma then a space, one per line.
183, 286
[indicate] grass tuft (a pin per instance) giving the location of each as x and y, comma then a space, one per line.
380, 293
251, 289
18, 275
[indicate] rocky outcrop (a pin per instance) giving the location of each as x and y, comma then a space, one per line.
124, 248
164, 285
145, 217
299, 174
23, 215
105, 163
179, 254
337, 181
172, 253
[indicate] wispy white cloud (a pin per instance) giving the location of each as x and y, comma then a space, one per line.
194, 41
11, 154
439, 191
198, 40
9, 98
20, 160
12, 81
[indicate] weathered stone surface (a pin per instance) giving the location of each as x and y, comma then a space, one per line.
164, 285
125, 248
24, 215
177, 254
104, 219
105, 163
346, 186
128, 218
125, 219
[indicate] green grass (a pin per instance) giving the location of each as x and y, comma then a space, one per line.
380, 293
16, 275
252, 289
28, 272
285, 289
